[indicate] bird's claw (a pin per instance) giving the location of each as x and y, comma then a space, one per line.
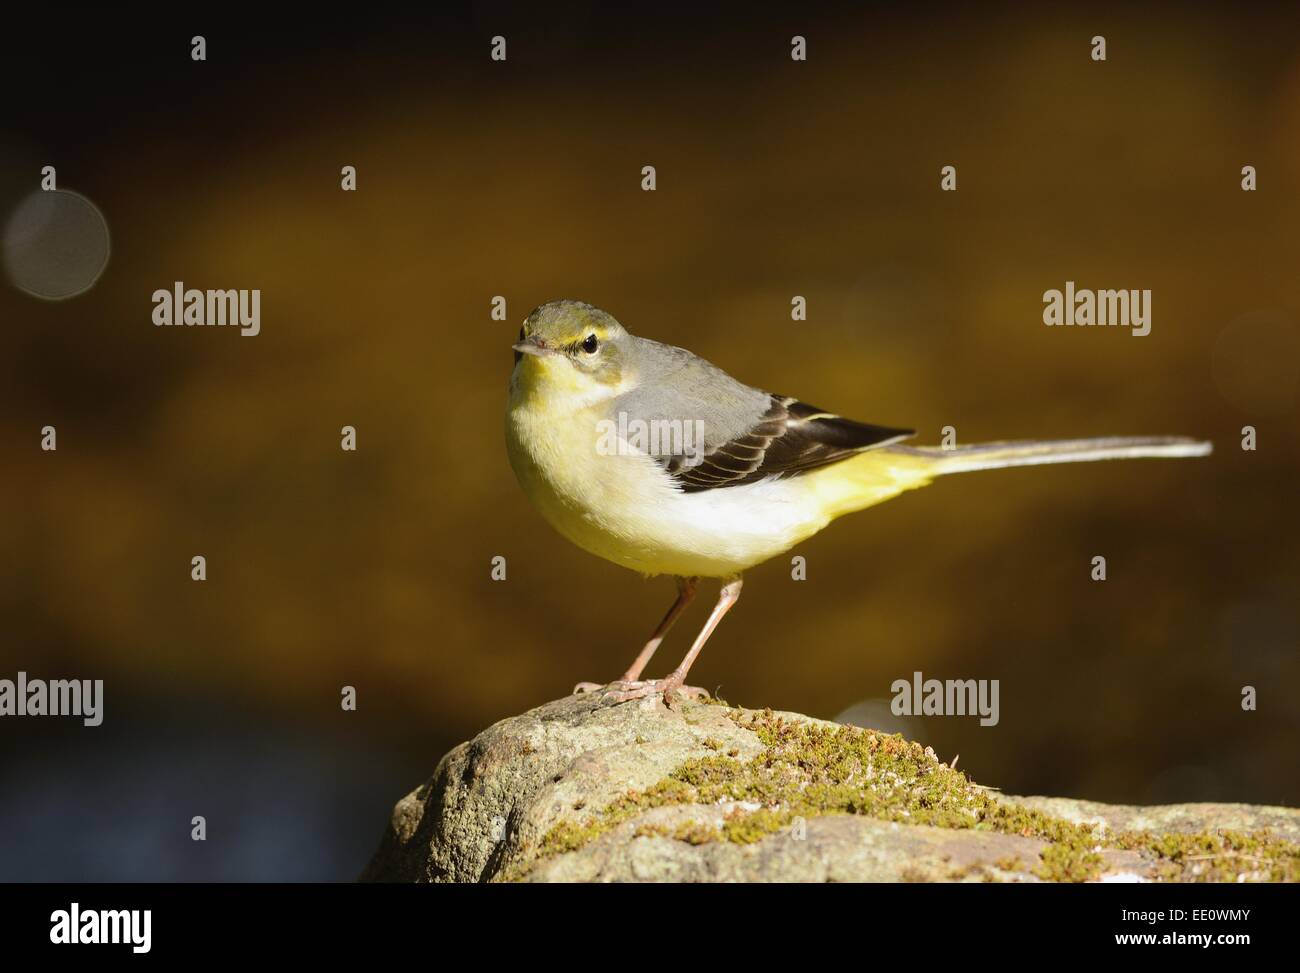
618, 685
625, 692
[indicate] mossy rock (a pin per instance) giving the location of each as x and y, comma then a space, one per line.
585, 790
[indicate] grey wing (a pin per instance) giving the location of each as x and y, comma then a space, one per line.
736, 434
792, 437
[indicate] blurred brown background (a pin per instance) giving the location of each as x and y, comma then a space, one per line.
522, 179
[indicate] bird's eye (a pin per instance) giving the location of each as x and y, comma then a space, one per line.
590, 344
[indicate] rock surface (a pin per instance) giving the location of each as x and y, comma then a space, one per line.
551, 795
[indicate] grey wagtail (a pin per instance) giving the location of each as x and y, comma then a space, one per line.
652, 458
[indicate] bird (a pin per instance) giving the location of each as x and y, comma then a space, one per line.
650, 457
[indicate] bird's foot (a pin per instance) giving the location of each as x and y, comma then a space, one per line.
624, 690
618, 685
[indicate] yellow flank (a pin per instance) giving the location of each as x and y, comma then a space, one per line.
865, 480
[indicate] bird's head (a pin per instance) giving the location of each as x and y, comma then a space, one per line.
571, 348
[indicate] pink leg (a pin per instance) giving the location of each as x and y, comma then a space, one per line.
726, 598
686, 589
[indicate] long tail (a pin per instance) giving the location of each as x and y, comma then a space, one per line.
1035, 452
875, 475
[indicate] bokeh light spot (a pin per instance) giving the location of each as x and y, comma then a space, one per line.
55, 245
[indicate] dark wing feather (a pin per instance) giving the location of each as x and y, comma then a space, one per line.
791, 437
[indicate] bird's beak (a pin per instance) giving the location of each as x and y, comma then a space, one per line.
533, 345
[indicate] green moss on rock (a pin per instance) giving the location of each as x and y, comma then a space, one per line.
1219, 856
808, 770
